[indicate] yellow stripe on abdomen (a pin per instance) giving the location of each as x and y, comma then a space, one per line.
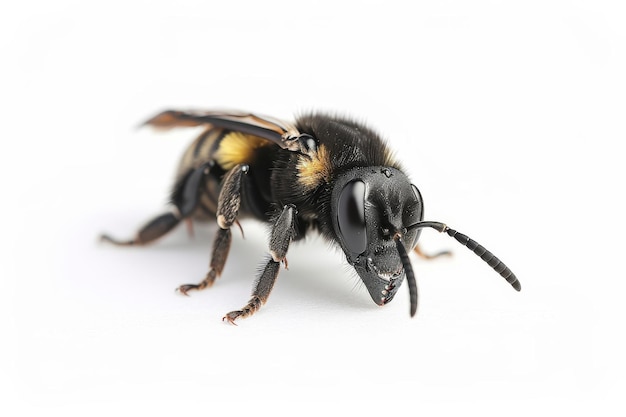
238, 148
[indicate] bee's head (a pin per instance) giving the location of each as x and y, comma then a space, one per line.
371, 208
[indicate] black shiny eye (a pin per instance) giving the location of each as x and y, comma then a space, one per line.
351, 217
420, 203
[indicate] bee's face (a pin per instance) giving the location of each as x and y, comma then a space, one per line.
371, 206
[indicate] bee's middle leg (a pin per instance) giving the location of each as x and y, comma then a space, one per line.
228, 204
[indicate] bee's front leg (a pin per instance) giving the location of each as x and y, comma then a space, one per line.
428, 256
283, 232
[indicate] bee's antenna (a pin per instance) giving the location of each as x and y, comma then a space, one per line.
475, 247
408, 271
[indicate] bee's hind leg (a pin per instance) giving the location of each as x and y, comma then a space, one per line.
153, 230
185, 197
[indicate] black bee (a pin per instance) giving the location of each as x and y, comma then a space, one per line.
322, 173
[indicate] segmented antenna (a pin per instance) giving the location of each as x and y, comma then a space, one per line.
408, 271
475, 247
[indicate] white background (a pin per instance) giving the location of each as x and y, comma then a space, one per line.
507, 115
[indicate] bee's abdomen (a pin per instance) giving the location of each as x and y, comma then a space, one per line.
201, 150
225, 149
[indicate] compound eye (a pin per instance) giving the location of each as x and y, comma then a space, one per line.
351, 217
420, 206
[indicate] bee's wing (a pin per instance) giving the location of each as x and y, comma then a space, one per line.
282, 133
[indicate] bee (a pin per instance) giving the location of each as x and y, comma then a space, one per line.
322, 173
